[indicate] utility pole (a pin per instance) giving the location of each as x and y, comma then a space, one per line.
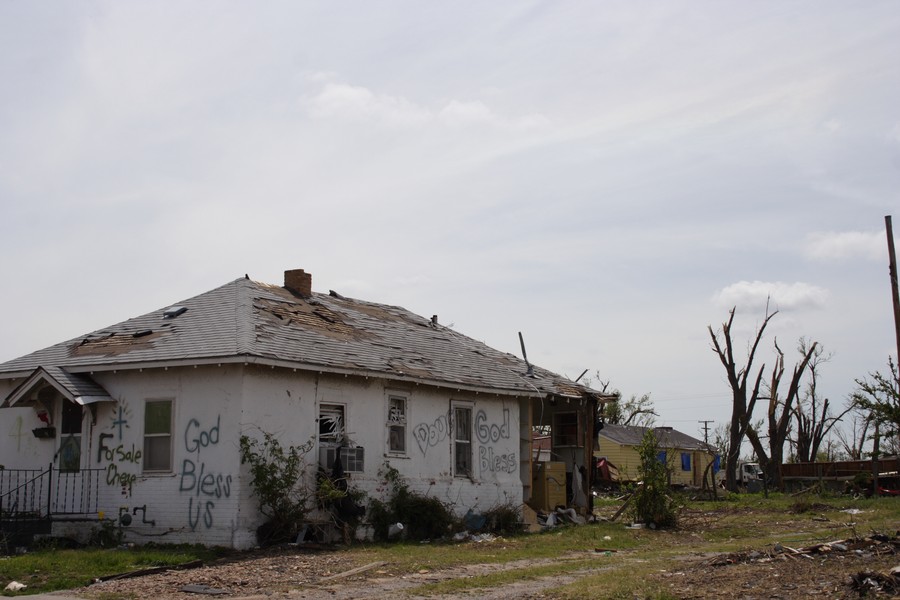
706, 431
893, 271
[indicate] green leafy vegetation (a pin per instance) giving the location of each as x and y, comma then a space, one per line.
579, 558
653, 502
50, 569
423, 517
279, 482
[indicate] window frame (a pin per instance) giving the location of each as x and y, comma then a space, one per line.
458, 444
561, 440
71, 434
157, 435
340, 435
401, 425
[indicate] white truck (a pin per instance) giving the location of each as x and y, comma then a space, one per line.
749, 477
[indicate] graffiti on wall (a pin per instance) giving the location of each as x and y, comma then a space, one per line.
120, 418
429, 435
118, 458
489, 434
203, 484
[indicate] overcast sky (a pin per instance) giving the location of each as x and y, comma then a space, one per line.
608, 178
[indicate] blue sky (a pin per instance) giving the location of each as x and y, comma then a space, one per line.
608, 178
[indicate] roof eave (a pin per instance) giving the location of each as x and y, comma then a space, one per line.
299, 366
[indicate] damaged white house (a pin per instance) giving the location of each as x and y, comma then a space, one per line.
138, 424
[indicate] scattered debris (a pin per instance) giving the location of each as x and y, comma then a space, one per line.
352, 572
560, 516
194, 588
875, 545
465, 536
150, 571
870, 581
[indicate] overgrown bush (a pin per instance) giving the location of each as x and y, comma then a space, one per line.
652, 502
278, 479
505, 519
107, 535
423, 517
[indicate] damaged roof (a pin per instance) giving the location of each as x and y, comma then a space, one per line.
252, 322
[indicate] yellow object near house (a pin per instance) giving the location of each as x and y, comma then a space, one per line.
687, 458
549, 485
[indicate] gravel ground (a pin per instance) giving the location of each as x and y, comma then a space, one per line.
771, 572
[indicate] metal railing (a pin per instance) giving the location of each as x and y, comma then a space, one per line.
46, 493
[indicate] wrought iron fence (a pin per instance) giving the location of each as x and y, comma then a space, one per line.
45, 493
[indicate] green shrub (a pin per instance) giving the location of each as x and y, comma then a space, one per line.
653, 503
505, 519
423, 517
279, 482
108, 535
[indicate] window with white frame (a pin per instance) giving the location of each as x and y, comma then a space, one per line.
157, 436
331, 424
333, 442
462, 441
396, 424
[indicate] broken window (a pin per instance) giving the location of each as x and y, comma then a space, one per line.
331, 424
396, 424
158, 436
565, 429
70, 438
462, 441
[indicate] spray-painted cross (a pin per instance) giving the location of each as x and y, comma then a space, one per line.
120, 421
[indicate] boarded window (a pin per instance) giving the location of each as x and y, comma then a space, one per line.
158, 435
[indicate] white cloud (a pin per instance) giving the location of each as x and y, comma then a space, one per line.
845, 245
359, 103
781, 296
352, 102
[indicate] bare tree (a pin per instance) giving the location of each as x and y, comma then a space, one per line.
855, 433
743, 400
636, 410
721, 438
812, 416
778, 414
879, 396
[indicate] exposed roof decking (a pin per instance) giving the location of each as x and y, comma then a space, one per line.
246, 319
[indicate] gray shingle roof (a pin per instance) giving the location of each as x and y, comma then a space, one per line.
256, 322
74, 386
667, 437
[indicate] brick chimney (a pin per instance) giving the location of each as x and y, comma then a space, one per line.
299, 282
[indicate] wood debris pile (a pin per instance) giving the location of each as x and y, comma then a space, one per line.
866, 582
876, 544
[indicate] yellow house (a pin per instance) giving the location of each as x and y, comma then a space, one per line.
686, 457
